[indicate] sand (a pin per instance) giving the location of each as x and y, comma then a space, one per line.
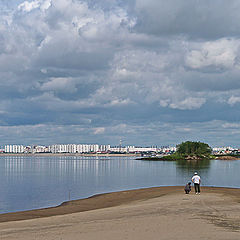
155, 213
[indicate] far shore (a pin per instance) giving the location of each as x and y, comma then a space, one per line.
164, 213
217, 157
72, 154
227, 157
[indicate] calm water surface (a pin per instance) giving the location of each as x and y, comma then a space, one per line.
36, 182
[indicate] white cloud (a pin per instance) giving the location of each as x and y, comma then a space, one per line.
46, 4
233, 100
231, 125
120, 102
99, 130
60, 84
215, 54
188, 103
28, 6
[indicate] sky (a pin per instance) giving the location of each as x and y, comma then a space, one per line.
150, 72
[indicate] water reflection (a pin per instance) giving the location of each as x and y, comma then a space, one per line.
33, 182
185, 170
193, 165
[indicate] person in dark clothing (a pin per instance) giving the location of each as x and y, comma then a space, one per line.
188, 188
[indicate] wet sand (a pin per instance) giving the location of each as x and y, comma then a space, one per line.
154, 213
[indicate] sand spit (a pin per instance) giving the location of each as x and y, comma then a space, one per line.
155, 213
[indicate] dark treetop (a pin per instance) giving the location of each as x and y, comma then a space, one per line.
194, 148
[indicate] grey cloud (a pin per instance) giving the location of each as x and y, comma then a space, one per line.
147, 74
154, 134
196, 19
81, 61
60, 84
70, 88
209, 82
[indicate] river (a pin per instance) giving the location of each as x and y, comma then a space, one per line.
37, 182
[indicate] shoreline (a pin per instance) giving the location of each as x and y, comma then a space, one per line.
107, 200
164, 213
108, 155
226, 158
70, 154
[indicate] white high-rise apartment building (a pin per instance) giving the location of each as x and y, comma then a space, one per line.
104, 148
14, 149
78, 148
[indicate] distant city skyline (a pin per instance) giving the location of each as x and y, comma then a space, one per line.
112, 145
102, 149
150, 72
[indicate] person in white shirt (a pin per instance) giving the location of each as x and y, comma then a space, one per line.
196, 180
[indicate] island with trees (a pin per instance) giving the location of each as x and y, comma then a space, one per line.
187, 151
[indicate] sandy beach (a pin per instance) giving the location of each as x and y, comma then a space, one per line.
154, 213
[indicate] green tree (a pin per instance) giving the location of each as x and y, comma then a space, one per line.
194, 148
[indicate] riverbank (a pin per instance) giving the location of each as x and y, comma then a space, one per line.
169, 158
70, 154
227, 157
154, 213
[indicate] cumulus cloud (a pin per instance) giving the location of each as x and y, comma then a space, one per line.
214, 55
109, 66
29, 6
